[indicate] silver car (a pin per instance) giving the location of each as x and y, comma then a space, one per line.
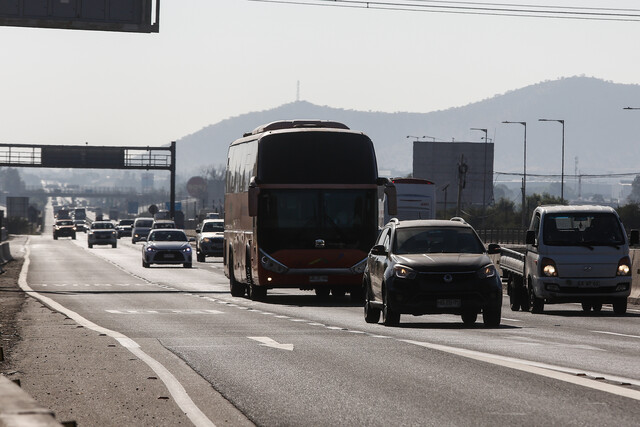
167, 246
102, 233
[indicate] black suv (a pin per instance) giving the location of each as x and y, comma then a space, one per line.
431, 267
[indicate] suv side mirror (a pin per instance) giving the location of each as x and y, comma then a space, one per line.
378, 250
494, 248
635, 237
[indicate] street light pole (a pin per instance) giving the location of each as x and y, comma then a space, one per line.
524, 175
562, 179
484, 176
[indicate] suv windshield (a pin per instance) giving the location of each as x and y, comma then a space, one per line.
144, 223
593, 229
101, 225
210, 227
429, 240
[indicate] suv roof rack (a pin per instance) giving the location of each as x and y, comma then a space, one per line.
458, 219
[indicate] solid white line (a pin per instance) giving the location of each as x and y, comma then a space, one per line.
616, 334
176, 389
550, 371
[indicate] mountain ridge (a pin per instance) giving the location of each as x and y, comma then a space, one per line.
598, 132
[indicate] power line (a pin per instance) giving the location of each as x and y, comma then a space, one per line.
582, 175
478, 8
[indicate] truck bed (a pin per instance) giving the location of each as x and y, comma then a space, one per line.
512, 260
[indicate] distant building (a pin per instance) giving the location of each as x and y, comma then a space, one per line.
147, 182
446, 163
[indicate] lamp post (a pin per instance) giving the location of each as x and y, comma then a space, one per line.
562, 179
524, 175
484, 175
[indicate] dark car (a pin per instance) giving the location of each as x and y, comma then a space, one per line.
102, 233
140, 229
64, 228
431, 267
124, 228
80, 225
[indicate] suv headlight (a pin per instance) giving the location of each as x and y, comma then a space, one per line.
487, 271
402, 272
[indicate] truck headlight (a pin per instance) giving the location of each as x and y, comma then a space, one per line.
548, 267
624, 267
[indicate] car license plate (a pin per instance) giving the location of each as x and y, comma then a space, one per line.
448, 303
169, 256
318, 279
588, 283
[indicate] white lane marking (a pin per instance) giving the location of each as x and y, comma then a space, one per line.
511, 320
167, 311
269, 342
176, 389
616, 334
550, 371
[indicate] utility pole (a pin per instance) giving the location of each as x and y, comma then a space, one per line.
462, 181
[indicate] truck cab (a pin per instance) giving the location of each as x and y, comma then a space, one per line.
577, 254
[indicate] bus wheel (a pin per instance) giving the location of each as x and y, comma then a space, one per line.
257, 293
237, 288
338, 292
357, 294
322, 293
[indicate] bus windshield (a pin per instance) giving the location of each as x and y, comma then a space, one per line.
296, 219
317, 158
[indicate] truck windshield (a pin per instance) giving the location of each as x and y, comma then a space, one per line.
574, 229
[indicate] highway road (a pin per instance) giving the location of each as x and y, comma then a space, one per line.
297, 360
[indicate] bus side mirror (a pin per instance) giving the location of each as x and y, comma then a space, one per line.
392, 197
254, 192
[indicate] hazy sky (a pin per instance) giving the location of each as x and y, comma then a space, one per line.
215, 59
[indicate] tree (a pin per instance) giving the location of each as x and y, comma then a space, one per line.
634, 197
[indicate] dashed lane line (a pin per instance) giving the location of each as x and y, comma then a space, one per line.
180, 396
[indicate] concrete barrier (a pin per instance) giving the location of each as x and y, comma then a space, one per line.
5, 252
17, 408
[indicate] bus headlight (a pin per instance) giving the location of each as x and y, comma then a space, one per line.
268, 263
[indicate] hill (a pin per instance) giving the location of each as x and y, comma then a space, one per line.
600, 135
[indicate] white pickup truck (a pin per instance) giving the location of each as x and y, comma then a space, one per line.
573, 254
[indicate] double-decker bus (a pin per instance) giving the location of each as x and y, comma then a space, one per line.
301, 208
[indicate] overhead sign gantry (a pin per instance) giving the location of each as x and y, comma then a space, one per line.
89, 157
134, 16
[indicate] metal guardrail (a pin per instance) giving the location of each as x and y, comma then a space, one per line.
503, 236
